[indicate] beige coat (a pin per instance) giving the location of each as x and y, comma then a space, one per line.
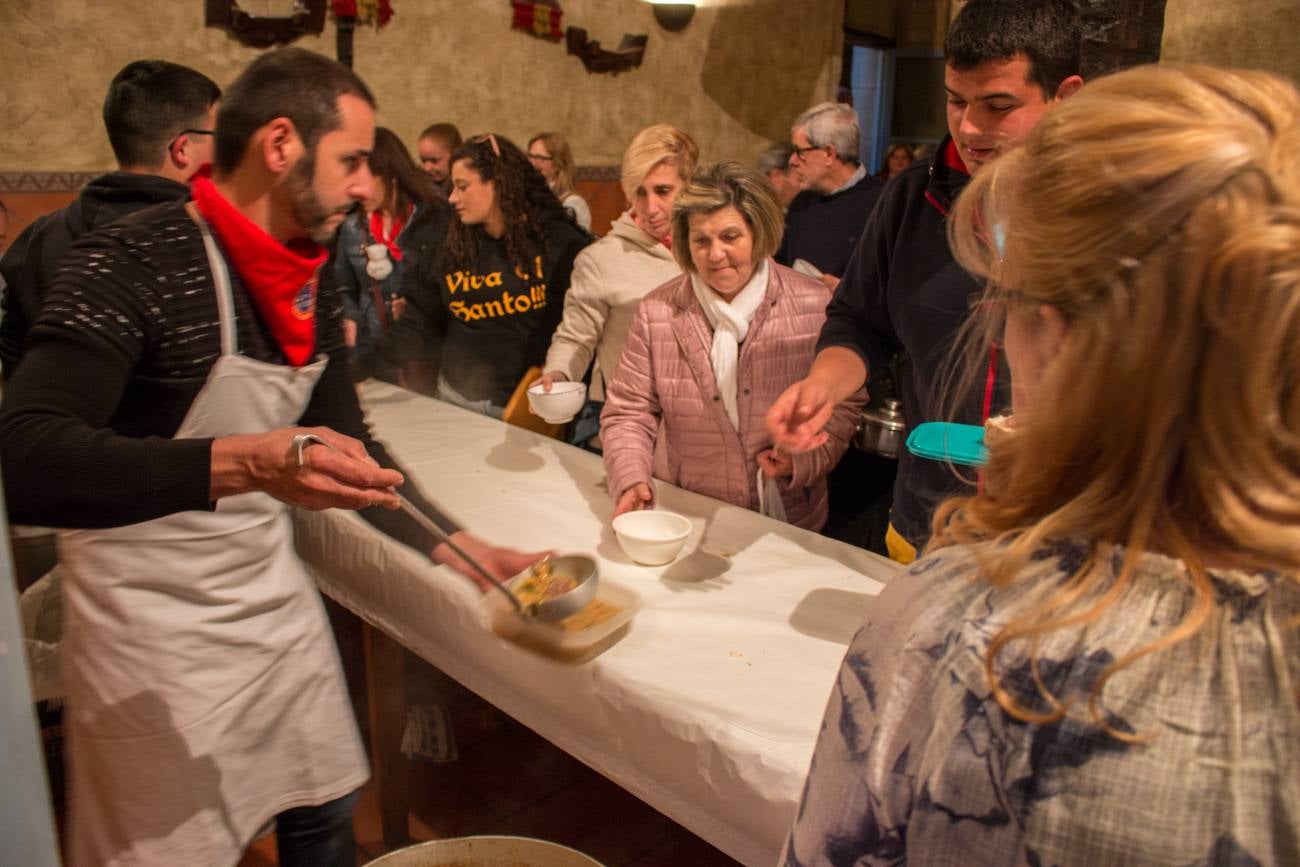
609, 280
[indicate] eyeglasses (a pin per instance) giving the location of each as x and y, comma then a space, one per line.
172, 143
541, 158
799, 152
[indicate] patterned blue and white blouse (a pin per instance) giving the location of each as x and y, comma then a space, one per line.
916, 763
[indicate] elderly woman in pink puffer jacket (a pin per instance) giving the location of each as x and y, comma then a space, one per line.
709, 352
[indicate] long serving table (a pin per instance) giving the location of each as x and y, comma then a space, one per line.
707, 708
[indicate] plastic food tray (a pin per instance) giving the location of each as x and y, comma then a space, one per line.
947, 441
558, 640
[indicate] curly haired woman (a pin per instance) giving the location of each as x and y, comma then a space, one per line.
484, 309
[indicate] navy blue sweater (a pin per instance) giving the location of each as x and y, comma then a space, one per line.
825, 229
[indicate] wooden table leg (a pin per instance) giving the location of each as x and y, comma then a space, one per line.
386, 697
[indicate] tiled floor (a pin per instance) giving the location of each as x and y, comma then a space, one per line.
508, 780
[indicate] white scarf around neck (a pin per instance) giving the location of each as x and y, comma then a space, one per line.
730, 321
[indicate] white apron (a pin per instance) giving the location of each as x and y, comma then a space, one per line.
205, 690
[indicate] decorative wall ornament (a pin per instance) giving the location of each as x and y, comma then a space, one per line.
348, 14
628, 55
264, 31
539, 17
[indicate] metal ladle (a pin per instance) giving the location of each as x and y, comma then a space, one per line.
555, 607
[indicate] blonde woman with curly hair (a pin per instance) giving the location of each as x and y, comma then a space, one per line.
1098, 659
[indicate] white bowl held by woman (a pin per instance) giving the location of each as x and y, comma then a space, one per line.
652, 537
560, 404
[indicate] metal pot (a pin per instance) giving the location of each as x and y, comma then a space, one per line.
881, 429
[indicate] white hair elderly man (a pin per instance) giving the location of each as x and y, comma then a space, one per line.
825, 220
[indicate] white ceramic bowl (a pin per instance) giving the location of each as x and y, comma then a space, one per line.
652, 537
561, 404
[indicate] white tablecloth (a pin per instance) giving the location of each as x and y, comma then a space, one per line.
707, 709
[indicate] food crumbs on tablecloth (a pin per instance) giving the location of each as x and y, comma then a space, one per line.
736, 653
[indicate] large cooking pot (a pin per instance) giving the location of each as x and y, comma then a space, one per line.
485, 852
881, 430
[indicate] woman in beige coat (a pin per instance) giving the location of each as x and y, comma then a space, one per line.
612, 275
709, 351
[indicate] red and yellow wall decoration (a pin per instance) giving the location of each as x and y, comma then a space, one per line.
539, 17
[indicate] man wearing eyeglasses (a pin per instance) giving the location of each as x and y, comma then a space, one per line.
826, 219
159, 117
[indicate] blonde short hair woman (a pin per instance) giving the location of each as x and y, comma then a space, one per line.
1097, 661
612, 276
654, 146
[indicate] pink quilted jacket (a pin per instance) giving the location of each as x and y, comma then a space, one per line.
664, 418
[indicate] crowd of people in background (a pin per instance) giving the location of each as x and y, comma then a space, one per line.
1093, 658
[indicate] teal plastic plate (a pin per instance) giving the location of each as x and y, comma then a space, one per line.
947, 441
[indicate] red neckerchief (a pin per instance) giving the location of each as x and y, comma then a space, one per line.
281, 278
389, 240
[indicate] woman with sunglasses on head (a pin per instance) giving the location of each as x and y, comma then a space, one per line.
483, 310
550, 154
404, 218
1097, 661
612, 275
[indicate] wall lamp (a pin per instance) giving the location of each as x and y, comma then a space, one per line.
673, 16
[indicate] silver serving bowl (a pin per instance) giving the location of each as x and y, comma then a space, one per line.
578, 568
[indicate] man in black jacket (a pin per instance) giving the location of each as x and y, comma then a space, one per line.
160, 119
1007, 61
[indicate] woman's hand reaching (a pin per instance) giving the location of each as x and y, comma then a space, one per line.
639, 496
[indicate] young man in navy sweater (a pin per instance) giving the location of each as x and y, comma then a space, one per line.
1007, 62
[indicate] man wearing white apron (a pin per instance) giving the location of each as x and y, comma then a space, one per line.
156, 407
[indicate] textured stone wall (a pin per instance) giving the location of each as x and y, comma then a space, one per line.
1256, 34
734, 78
